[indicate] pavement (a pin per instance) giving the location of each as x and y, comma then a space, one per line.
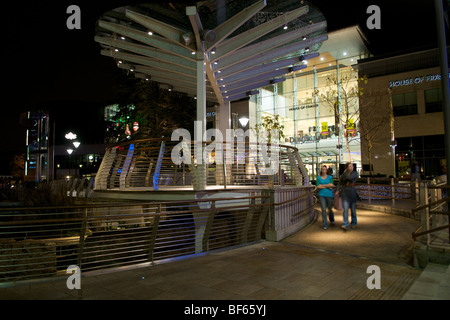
313, 264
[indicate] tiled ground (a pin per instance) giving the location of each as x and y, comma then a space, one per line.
314, 264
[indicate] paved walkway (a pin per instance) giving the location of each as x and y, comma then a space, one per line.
312, 264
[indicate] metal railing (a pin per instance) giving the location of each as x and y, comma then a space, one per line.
42, 242
434, 215
389, 189
148, 164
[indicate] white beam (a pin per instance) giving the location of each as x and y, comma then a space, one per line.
244, 38
148, 62
169, 32
191, 12
153, 40
259, 70
213, 81
270, 44
270, 55
147, 51
257, 78
229, 26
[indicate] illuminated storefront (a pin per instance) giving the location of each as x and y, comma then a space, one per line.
319, 105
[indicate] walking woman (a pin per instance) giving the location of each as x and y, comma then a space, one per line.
324, 183
348, 193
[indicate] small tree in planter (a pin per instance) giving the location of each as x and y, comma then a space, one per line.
268, 127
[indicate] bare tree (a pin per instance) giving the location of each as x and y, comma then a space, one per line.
342, 94
372, 120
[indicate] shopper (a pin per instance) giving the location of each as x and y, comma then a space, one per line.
348, 193
325, 185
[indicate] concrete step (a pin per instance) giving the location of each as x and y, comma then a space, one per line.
432, 284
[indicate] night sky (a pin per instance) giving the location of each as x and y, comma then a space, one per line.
44, 63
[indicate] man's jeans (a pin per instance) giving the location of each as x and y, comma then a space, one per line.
346, 206
326, 202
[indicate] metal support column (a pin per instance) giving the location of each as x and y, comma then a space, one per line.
440, 24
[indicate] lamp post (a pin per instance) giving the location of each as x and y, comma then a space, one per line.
445, 85
393, 145
76, 144
69, 151
71, 137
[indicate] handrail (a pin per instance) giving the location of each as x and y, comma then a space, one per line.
104, 235
133, 164
416, 234
430, 218
430, 204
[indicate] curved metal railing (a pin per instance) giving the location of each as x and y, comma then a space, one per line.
43, 242
152, 164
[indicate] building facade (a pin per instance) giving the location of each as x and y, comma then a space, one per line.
407, 88
318, 105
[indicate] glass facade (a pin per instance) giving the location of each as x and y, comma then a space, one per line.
318, 107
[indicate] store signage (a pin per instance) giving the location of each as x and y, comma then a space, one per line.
324, 128
416, 80
307, 106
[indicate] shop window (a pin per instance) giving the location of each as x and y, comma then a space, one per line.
404, 104
433, 100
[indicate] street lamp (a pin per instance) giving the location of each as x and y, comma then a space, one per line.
393, 145
243, 121
69, 151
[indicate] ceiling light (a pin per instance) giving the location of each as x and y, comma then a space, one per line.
345, 53
304, 38
123, 38
321, 58
213, 51
150, 33
285, 27
307, 49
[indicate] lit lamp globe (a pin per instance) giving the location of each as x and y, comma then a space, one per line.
243, 121
70, 136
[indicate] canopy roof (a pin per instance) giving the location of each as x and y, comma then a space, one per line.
245, 45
